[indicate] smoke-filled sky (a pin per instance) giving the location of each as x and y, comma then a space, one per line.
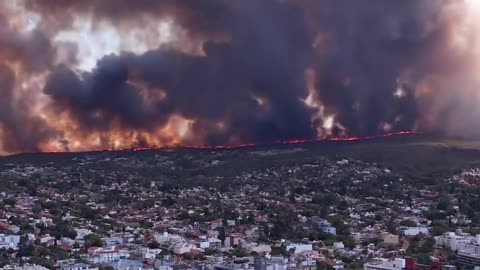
97, 74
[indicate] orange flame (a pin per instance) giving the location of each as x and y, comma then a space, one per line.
287, 142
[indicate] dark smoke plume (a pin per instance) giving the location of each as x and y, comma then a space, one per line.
19, 129
248, 83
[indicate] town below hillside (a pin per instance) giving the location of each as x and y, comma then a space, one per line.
406, 202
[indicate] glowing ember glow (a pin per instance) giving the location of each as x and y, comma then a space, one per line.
287, 142
248, 145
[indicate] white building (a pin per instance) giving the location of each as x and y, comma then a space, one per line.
81, 233
468, 259
415, 231
24, 267
44, 221
166, 237
78, 266
211, 243
107, 255
384, 264
338, 245
9, 241
204, 245
466, 246
298, 248
459, 242
151, 254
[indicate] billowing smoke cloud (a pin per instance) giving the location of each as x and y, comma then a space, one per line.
259, 71
20, 128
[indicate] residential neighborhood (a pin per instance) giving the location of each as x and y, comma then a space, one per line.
110, 211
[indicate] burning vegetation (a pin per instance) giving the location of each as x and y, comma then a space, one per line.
92, 75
